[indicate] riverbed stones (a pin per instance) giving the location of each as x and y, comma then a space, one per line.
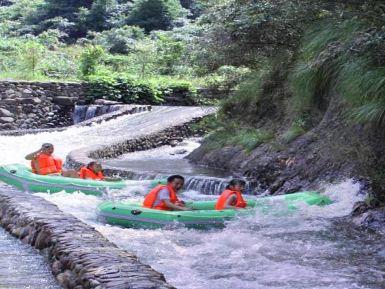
80, 256
7, 119
5, 112
64, 100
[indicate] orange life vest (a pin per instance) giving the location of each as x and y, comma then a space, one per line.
150, 199
239, 202
47, 164
86, 173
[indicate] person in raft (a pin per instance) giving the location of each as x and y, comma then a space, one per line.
94, 171
44, 163
231, 198
163, 197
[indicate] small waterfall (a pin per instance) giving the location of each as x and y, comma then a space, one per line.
202, 184
79, 113
91, 112
210, 185
85, 112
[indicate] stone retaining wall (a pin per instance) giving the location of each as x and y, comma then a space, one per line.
80, 256
28, 105
31, 105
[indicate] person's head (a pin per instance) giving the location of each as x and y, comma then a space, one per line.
236, 185
176, 181
96, 167
47, 148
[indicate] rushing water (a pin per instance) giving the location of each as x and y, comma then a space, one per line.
308, 249
85, 112
22, 267
160, 162
128, 126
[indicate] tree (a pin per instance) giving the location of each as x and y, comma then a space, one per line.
31, 54
89, 60
145, 55
155, 14
170, 52
118, 40
99, 14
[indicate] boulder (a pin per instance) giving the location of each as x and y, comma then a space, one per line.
5, 119
179, 152
27, 93
27, 100
37, 100
10, 101
64, 100
5, 112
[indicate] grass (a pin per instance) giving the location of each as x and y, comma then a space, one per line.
363, 85
243, 104
297, 129
246, 138
317, 67
320, 70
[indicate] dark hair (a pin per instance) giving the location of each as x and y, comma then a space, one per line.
47, 145
91, 164
174, 177
235, 182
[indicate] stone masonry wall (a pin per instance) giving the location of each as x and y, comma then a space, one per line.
26, 105
80, 257
31, 105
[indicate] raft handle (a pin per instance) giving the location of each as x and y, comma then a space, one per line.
136, 212
12, 171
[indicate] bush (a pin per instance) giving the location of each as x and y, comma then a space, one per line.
128, 89
226, 77
118, 40
89, 60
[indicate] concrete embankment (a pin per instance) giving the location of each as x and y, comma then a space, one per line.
162, 126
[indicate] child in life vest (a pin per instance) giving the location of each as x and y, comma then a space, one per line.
94, 171
231, 198
163, 197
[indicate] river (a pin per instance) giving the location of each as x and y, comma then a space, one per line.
312, 248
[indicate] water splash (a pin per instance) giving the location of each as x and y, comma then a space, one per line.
301, 250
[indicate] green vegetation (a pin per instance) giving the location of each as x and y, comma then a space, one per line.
231, 134
332, 59
262, 55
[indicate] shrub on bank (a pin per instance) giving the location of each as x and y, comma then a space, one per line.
127, 89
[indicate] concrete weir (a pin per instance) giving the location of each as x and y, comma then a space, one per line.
165, 125
80, 257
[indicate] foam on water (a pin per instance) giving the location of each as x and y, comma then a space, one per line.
306, 249
301, 250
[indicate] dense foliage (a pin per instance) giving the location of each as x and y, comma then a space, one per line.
263, 52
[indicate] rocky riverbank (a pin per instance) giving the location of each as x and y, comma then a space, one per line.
331, 150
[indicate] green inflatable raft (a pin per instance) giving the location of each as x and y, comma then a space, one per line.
21, 177
203, 214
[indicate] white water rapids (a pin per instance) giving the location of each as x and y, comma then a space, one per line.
308, 249
304, 250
